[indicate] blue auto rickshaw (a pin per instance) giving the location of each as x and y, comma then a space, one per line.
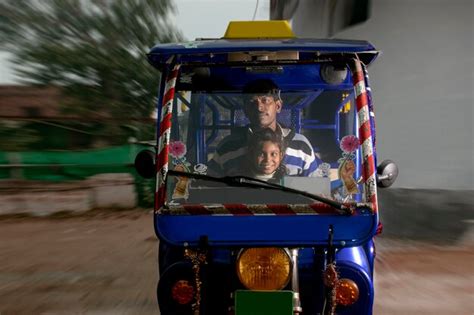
239, 244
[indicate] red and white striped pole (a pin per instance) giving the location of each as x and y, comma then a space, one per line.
365, 135
164, 138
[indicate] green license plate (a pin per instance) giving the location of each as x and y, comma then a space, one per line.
263, 302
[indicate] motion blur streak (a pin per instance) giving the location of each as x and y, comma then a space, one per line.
105, 263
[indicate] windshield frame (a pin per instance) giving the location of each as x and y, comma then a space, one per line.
365, 115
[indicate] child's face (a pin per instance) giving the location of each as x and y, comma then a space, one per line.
268, 157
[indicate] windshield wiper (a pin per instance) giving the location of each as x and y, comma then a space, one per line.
245, 181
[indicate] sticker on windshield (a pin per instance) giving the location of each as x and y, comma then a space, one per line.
186, 77
178, 152
323, 170
347, 167
200, 169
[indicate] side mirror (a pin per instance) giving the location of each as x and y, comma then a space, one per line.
387, 173
145, 164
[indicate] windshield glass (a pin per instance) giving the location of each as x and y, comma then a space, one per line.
302, 139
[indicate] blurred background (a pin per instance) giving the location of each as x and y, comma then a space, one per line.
78, 98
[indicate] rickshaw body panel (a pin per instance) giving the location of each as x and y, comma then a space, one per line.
224, 235
266, 230
293, 78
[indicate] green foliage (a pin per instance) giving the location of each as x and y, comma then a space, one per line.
95, 50
15, 136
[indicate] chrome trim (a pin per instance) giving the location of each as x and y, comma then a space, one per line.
295, 286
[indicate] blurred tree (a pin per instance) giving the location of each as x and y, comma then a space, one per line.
15, 137
94, 49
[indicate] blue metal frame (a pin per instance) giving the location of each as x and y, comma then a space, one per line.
218, 123
265, 230
200, 131
298, 123
175, 127
343, 102
295, 77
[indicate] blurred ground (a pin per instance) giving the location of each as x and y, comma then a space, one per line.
105, 263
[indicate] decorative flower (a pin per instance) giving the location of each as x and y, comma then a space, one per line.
177, 149
349, 143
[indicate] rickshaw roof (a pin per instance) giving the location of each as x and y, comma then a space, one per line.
216, 50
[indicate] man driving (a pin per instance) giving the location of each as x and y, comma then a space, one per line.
262, 103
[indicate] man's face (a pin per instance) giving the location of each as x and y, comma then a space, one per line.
262, 110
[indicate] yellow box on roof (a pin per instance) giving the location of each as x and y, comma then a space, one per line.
258, 29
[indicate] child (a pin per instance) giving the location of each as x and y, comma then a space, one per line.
265, 155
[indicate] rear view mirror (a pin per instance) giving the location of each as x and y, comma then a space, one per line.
387, 173
145, 164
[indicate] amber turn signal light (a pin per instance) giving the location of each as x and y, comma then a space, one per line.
347, 292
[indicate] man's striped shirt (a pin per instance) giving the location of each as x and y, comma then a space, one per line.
230, 154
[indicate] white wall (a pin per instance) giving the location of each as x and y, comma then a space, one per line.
422, 88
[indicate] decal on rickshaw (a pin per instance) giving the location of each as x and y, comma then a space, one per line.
181, 190
323, 170
349, 144
200, 168
365, 133
177, 151
253, 209
186, 77
164, 136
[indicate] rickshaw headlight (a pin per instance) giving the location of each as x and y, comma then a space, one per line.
347, 292
264, 268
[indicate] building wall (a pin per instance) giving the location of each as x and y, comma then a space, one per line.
28, 101
422, 86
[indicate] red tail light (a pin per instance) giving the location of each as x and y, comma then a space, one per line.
182, 292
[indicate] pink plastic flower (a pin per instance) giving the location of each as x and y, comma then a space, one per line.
349, 143
177, 149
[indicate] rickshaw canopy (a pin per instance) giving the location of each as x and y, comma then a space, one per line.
262, 43
220, 51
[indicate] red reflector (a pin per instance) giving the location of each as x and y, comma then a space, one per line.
182, 292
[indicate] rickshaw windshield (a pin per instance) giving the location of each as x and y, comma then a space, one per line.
302, 138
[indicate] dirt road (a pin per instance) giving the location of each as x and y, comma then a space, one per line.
105, 263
